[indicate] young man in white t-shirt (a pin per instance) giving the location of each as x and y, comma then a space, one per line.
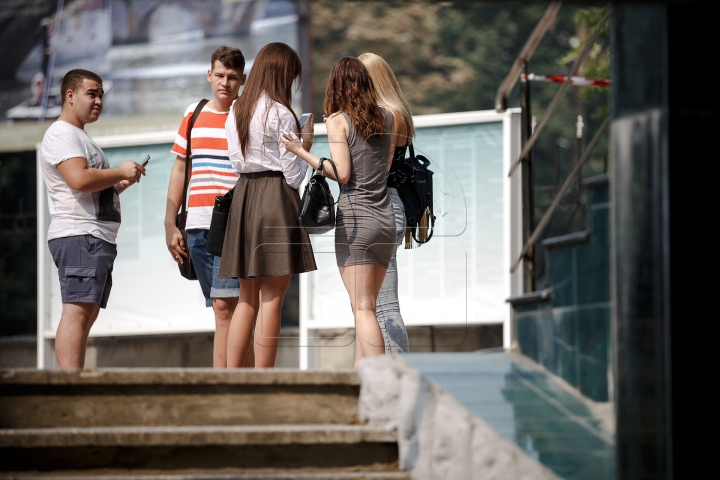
211, 175
84, 212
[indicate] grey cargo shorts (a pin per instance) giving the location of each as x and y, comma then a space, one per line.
85, 265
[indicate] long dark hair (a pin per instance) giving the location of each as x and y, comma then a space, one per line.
274, 70
351, 90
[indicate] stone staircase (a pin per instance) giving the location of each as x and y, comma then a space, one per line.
189, 424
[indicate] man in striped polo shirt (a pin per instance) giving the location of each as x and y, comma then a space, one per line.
212, 175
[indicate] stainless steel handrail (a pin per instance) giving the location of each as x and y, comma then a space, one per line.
558, 96
525, 54
561, 194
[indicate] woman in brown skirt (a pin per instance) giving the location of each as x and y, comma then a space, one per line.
361, 144
264, 242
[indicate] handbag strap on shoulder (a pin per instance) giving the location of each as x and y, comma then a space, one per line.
420, 158
188, 152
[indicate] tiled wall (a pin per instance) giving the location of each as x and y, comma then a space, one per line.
570, 333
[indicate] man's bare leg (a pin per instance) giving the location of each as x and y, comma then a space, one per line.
72, 333
223, 309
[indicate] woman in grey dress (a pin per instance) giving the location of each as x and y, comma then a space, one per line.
361, 145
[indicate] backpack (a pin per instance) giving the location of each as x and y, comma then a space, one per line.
414, 185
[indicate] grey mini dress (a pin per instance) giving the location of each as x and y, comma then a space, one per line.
365, 222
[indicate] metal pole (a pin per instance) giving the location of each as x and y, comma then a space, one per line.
304, 47
53, 42
579, 134
560, 143
528, 192
538, 33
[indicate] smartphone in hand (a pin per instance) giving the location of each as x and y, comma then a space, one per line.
304, 118
145, 162
286, 134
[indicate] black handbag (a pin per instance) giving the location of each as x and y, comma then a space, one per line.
187, 269
218, 223
415, 188
317, 208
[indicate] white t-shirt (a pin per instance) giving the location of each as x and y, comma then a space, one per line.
71, 212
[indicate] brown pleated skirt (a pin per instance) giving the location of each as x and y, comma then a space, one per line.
264, 237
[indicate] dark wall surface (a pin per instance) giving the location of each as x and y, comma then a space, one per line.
639, 149
692, 205
18, 234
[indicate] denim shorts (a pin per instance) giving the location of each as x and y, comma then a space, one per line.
207, 268
85, 265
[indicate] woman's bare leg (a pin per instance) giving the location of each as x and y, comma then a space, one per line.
242, 324
267, 330
363, 283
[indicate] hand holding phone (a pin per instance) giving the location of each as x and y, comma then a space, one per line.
286, 134
145, 162
304, 118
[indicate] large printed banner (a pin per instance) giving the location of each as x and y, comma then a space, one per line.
152, 54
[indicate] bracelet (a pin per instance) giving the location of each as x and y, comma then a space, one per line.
322, 159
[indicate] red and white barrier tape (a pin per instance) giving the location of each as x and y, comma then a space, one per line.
579, 81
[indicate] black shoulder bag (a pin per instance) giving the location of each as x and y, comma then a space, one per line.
218, 223
187, 269
317, 208
415, 188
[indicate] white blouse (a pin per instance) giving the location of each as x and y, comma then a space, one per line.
265, 150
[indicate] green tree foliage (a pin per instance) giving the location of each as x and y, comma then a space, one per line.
452, 57
597, 64
448, 56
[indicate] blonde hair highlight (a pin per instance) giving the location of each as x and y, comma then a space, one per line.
387, 89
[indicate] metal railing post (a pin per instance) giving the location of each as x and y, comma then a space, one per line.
579, 135
304, 51
528, 190
545, 22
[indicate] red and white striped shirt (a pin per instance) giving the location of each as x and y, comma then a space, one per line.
212, 173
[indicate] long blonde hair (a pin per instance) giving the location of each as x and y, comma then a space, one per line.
387, 89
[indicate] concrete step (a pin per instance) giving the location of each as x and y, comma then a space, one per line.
162, 397
138, 450
294, 475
